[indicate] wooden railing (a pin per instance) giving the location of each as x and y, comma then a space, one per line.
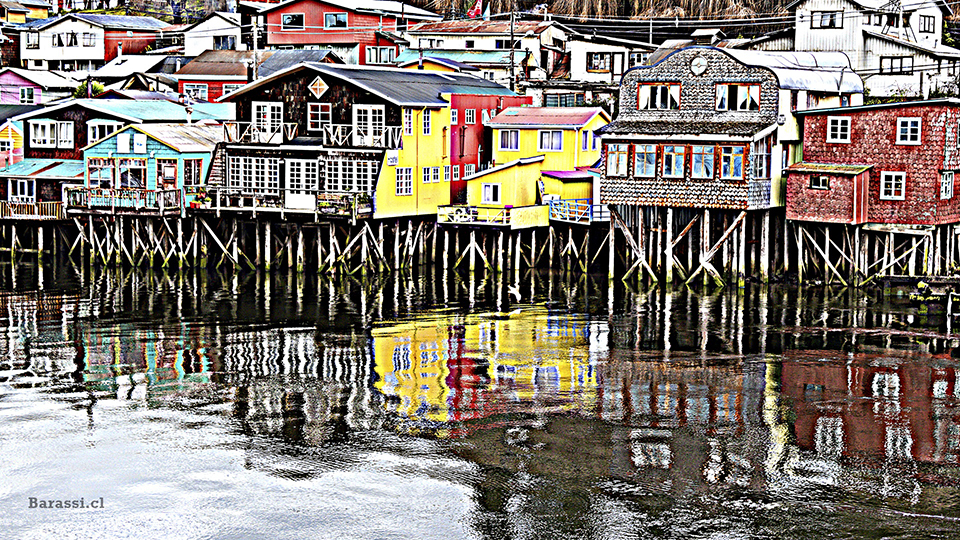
35, 210
578, 210
350, 135
125, 200
249, 132
352, 205
484, 215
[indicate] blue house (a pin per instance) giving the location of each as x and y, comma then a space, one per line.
146, 168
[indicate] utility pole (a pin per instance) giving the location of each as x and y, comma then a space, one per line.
513, 47
256, 31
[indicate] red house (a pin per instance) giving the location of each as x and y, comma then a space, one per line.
890, 163
360, 31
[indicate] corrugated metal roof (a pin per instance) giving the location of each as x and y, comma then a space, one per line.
818, 71
545, 116
14, 7
9, 111
834, 168
36, 3
122, 22
221, 63
45, 79
939, 102
452, 64
229, 19
119, 93
280, 60
478, 26
403, 87
381, 6
507, 165
138, 111
127, 65
45, 168
569, 175
465, 56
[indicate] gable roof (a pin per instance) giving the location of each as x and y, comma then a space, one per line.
470, 57
128, 64
49, 169
283, 59
43, 79
129, 110
12, 111
179, 137
113, 22
229, 19
561, 117
403, 87
940, 102
939, 51
482, 27
452, 64
386, 7
14, 7
508, 165
221, 63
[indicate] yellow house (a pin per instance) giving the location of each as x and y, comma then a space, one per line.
565, 136
13, 12
11, 143
38, 9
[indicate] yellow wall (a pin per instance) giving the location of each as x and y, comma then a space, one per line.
17, 18
518, 186
431, 66
9, 133
418, 151
568, 159
568, 190
38, 13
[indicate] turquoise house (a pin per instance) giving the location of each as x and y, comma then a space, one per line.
148, 167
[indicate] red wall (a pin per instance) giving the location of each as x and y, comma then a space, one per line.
873, 142
472, 134
361, 28
214, 88
847, 200
135, 44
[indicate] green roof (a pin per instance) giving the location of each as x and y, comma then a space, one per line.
829, 168
45, 168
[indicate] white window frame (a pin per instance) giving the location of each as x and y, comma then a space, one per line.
673, 163
446, 173
227, 88
301, 28
404, 177
946, 185
541, 133
43, 133
893, 186
346, 19
513, 136
727, 100
89, 39
490, 193
196, 90
32, 97
909, 138
94, 126
426, 123
469, 170
319, 115
659, 96
454, 117
267, 125
820, 182
435, 171
408, 121
456, 173
377, 54
838, 129
470, 116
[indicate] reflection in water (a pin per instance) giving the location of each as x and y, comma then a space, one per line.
579, 411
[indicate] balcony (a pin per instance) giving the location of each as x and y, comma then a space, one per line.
340, 135
249, 132
45, 210
519, 217
124, 201
293, 201
578, 211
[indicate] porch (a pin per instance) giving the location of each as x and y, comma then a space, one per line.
124, 201
517, 217
334, 135
43, 210
578, 211
283, 200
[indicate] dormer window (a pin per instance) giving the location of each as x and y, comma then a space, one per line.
826, 19
927, 24
658, 97
738, 97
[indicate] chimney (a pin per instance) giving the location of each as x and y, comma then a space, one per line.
119, 49
189, 114
178, 65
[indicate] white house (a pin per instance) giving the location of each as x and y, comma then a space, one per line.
896, 47
219, 31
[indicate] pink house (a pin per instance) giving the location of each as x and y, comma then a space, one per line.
32, 87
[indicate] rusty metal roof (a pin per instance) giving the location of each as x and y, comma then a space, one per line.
221, 63
481, 27
828, 168
546, 116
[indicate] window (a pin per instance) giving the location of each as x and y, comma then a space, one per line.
196, 91
659, 96
267, 117
27, 95
303, 176
227, 88
404, 181
192, 172
100, 172
71, 39
673, 161
585, 137
510, 139
468, 44
908, 131
826, 19
637, 58
738, 97
254, 175
98, 129
469, 170
838, 129
598, 62
454, 117
446, 173
644, 160
22, 191
166, 173
294, 21
58, 40
381, 55
425, 174
616, 160
224, 43
33, 40
331, 20
366, 173
426, 122
490, 193
50, 134
89, 39
436, 174
486, 116
946, 185
731, 162
701, 161
892, 186
927, 23
564, 100
456, 173
408, 121
471, 116
896, 64
760, 154
132, 173
550, 141
318, 115
819, 182
505, 44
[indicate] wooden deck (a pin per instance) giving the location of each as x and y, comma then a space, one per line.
39, 211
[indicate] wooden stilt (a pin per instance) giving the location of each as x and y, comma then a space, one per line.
742, 255
473, 251
765, 247
301, 255
267, 246
611, 251
668, 254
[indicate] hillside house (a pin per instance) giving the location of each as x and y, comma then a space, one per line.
29, 87
219, 31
